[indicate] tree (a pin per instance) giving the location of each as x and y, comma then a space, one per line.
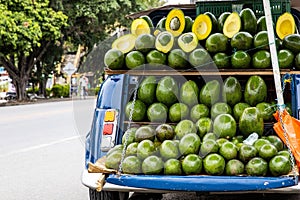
28, 28
93, 21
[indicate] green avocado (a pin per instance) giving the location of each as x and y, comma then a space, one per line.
114, 59
134, 59
240, 60
167, 91
188, 24
292, 42
241, 41
214, 21
221, 60
198, 111
249, 21
238, 109
137, 109
148, 20
285, 58
224, 126
232, 91
157, 112
147, 88
266, 110
189, 93
261, 59
161, 25
210, 93
255, 90
156, 58
177, 59
261, 40
251, 121
216, 42
199, 58
261, 24
220, 108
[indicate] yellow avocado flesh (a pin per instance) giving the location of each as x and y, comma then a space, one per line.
188, 42
140, 26
285, 25
124, 43
202, 26
232, 25
164, 42
175, 22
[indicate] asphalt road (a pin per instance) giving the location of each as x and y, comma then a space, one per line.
42, 151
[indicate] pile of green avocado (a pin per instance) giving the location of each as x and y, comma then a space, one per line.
231, 40
197, 126
200, 130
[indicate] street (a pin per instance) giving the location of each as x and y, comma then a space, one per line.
42, 150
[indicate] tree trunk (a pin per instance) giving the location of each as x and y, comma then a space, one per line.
20, 85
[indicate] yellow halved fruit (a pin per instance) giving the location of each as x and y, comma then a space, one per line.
164, 41
140, 26
125, 43
175, 22
202, 26
188, 42
285, 25
232, 25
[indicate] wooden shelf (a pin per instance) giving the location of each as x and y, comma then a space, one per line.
194, 72
267, 123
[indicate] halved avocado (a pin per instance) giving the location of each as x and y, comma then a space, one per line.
188, 42
175, 22
285, 25
232, 25
144, 43
140, 26
164, 41
202, 26
125, 43
221, 20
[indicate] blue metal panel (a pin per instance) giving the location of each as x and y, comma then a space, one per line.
202, 183
296, 107
110, 96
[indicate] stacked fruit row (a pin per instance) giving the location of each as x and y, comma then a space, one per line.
234, 40
161, 150
210, 127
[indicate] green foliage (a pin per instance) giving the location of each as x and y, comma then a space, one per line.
31, 91
147, 4
91, 21
60, 90
27, 28
25, 24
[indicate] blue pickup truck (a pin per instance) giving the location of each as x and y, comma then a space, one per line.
110, 123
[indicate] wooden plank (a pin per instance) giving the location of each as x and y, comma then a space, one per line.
193, 72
